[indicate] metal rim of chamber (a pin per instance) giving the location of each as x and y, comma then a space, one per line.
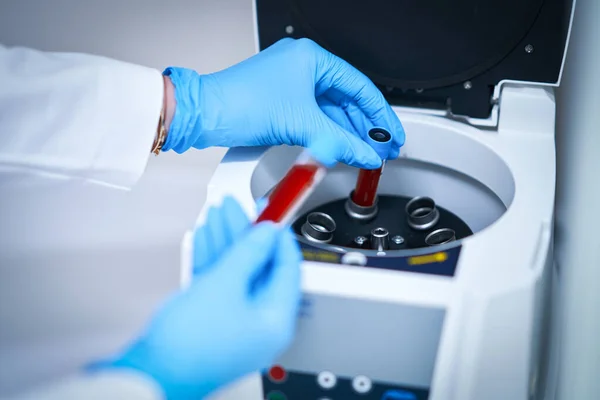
318, 227
422, 213
446, 234
359, 212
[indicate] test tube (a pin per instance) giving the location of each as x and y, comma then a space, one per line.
293, 190
362, 203
365, 192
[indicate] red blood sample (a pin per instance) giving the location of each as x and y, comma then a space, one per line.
365, 191
295, 183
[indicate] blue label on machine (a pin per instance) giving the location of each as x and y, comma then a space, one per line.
442, 262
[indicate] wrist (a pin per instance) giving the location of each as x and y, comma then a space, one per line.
166, 115
169, 102
182, 103
142, 359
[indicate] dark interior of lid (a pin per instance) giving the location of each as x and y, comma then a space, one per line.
431, 53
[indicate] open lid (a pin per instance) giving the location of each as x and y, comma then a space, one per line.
431, 53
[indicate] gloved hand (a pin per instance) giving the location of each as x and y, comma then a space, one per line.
237, 316
293, 93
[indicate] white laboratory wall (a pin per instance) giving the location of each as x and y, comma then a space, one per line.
80, 271
578, 220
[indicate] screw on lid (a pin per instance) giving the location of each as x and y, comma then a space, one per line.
381, 140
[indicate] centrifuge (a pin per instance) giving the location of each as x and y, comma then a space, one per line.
438, 286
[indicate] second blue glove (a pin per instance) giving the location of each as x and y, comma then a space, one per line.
237, 316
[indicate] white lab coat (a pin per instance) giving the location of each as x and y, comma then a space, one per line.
86, 119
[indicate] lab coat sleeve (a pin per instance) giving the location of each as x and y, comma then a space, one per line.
76, 117
115, 385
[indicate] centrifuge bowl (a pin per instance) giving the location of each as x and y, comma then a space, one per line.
441, 159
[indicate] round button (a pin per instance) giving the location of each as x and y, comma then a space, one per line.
361, 384
276, 396
277, 373
326, 380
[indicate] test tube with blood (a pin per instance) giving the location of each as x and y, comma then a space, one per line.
291, 192
362, 204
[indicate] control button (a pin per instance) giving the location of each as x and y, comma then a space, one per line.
277, 374
361, 384
276, 396
326, 380
398, 395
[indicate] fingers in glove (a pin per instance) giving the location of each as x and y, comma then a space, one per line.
351, 119
281, 42
329, 144
337, 74
222, 227
280, 294
235, 221
250, 256
337, 114
261, 203
203, 243
356, 117
282, 288
362, 125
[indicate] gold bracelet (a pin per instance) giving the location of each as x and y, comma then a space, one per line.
162, 135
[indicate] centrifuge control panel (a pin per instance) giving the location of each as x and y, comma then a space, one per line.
281, 384
348, 349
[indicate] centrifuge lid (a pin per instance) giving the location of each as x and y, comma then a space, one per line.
436, 53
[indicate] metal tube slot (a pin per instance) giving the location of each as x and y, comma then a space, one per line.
422, 213
380, 239
319, 227
358, 212
440, 236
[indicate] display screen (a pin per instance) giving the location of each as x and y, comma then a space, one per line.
390, 343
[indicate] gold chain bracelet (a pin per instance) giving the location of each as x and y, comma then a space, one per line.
162, 135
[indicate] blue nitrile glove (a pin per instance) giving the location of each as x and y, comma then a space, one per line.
236, 317
293, 93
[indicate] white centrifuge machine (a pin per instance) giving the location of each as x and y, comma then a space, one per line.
440, 291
